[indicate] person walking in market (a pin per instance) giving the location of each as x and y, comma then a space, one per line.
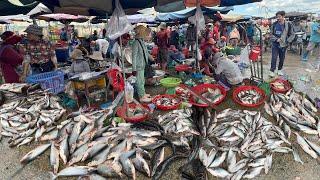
163, 45
10, 57
39, 55
250, 32
314, 39
140, 58
281, 34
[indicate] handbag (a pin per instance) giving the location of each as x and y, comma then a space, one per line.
148, 70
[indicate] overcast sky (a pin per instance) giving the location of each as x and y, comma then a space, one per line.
270, 7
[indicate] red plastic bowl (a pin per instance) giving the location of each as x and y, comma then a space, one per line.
202, 88
121, 112
183, 67
245, 88
166, 108
287, 86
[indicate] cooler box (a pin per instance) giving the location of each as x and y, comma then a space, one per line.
62, 54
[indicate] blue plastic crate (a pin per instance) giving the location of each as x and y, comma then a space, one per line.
54, 81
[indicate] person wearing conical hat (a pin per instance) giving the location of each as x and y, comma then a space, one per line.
140, 58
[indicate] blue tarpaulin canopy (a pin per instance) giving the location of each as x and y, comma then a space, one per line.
182, 4
186, 13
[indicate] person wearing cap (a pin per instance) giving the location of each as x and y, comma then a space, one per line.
225, 72
163, 45
314, 40
39, 55
79, 64
140, 60
10, 57
174, 37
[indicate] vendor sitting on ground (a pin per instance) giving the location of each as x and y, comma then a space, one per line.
175, 55
225, 71
79, 64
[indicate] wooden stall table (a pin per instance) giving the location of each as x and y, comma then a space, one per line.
91, 87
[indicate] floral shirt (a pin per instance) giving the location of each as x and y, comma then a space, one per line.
39, 52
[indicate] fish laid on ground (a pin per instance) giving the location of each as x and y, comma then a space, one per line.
30, 156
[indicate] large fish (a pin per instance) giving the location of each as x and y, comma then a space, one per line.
30, 156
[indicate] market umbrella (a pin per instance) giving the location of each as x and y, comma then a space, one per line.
15, 7
63, 17
100, 7
183, 4
39, 10
9, 19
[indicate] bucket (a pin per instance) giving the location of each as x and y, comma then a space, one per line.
254, 54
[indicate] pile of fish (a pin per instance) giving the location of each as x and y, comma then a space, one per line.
165, 101
212, 95
249, 97
245, 141
13, 87
178, 126
292, 111
110, 151
31, 118
183, 93
278, 85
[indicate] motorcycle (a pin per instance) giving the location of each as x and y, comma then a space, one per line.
298, 43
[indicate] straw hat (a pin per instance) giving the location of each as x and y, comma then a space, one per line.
211, 41
142, 31
96, 55
163, 25
76, 54
34, 29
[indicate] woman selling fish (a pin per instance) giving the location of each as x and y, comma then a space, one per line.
40, 55
140, 57
225, 71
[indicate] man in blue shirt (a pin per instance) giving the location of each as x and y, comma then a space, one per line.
314, 39
250, 32
282, 33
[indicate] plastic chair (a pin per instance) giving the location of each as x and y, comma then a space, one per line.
116, 80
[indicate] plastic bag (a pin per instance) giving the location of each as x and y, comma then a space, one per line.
244, 56
118, 24
129, 93
198, 19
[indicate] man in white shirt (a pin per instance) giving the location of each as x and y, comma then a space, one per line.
103, 46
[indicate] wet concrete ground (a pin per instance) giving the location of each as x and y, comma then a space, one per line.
284, 167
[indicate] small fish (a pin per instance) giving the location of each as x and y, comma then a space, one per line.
296, 155
141, 165
219, 160
30, 156
252, 173
64, 150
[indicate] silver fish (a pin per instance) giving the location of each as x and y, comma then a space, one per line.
54, 158
219, 160
30, 156
219, 172
74, 171
305, 146
252, 173
64, 150
141, 165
